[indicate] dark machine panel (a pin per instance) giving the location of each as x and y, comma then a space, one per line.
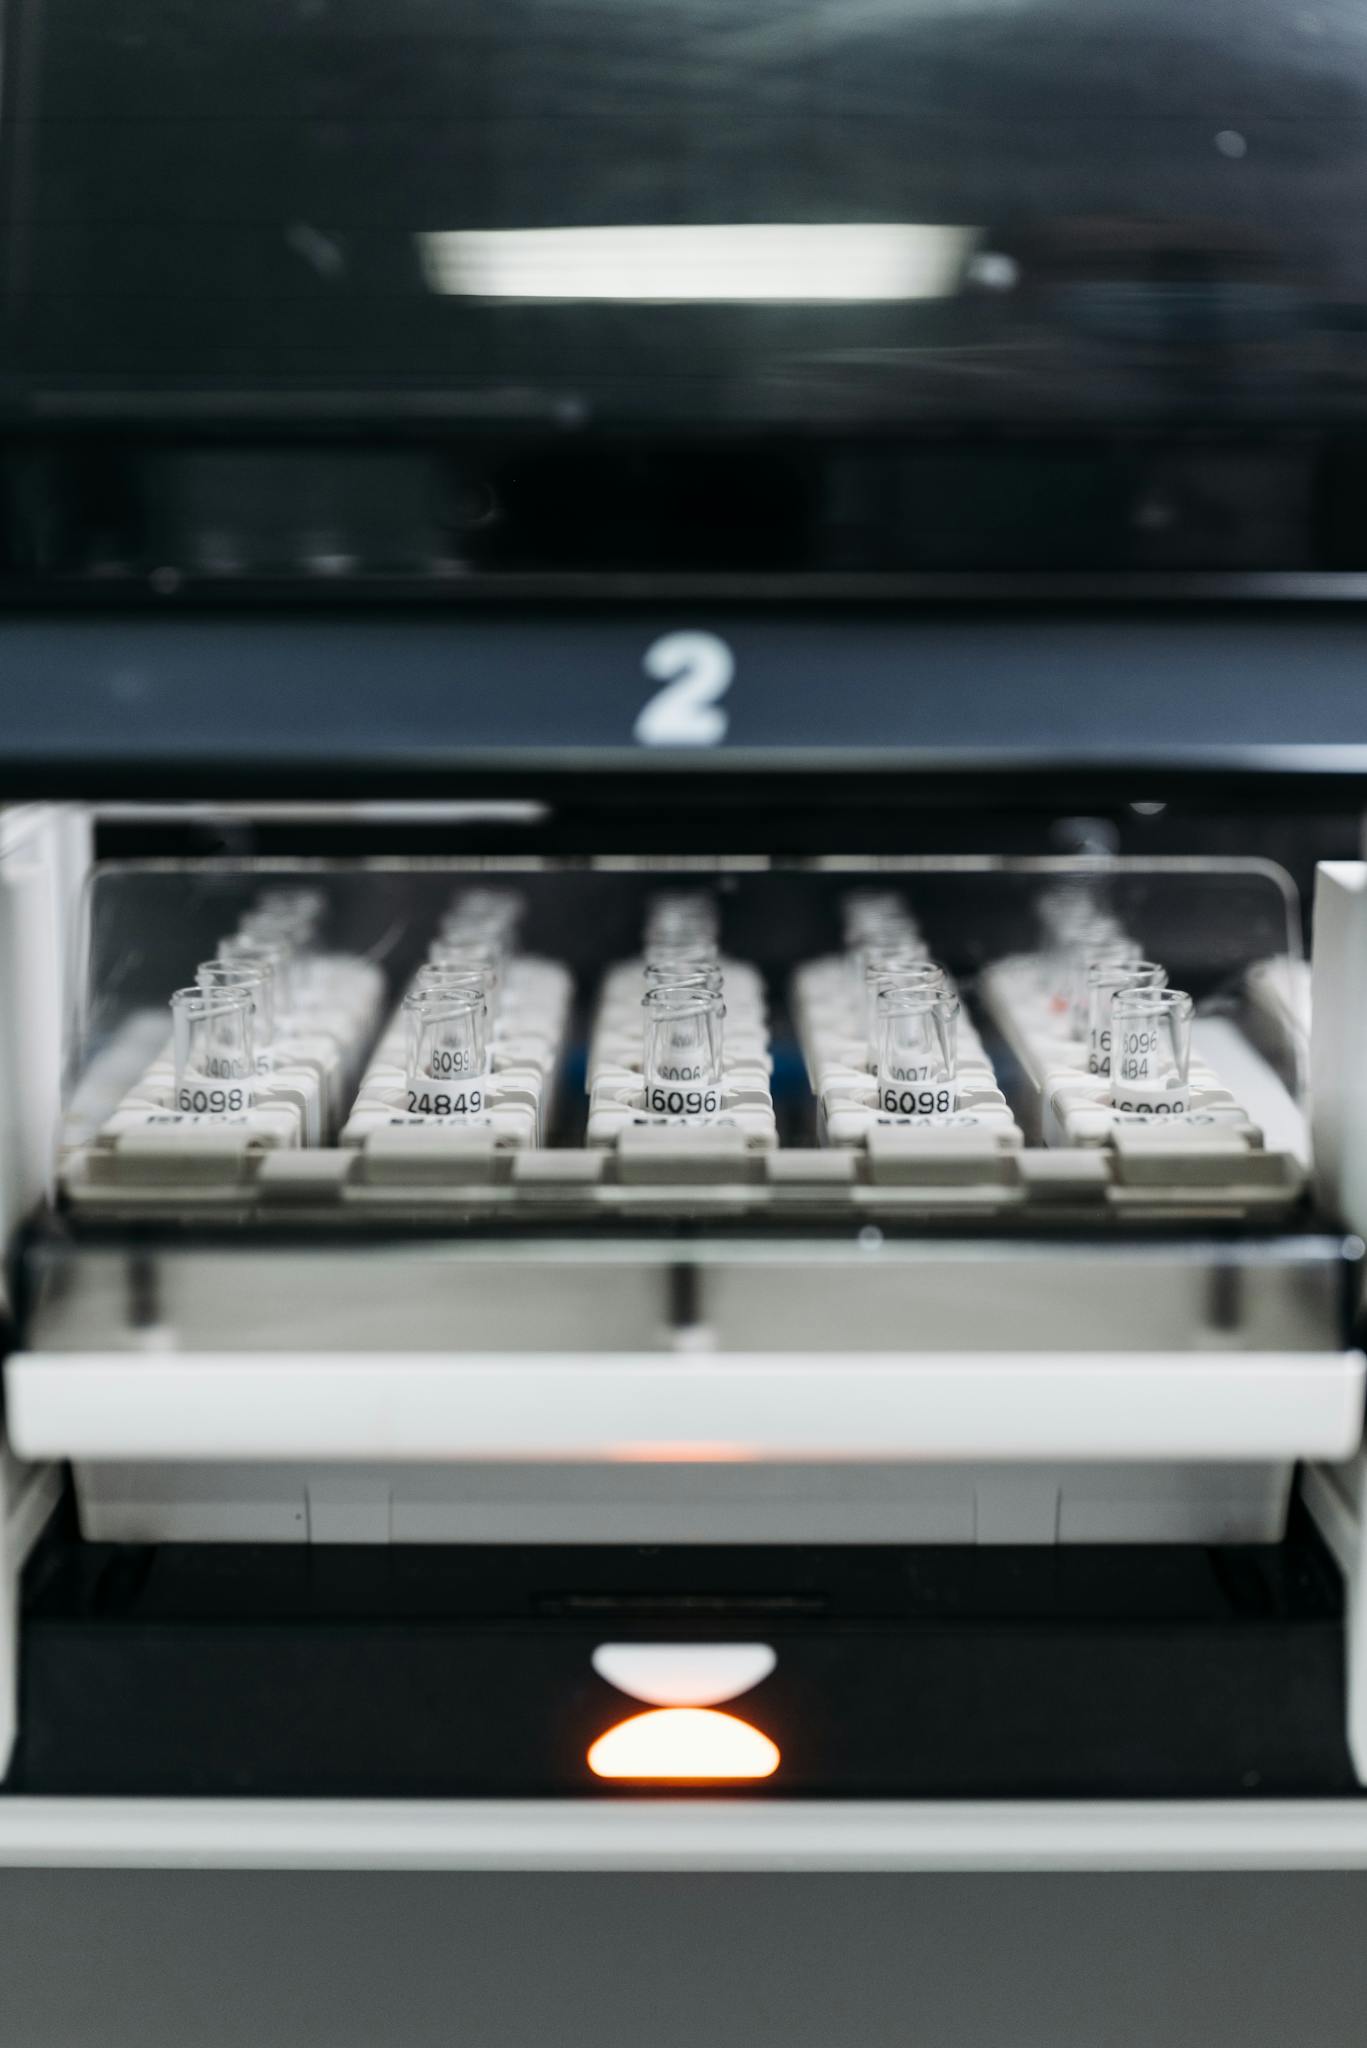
899, 1674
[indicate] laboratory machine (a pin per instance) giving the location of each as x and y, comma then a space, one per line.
683, 973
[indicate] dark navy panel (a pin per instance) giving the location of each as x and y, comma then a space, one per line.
389, 701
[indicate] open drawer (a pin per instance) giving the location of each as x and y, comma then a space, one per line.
691, 1387
1060, 1337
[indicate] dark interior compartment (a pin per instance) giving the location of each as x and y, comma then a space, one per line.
229, 1670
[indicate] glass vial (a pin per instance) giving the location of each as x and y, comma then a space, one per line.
246, 949
681, 918
448, 1051
682, 1051
483, 960
877, 962
1151, 1051
912, 974
215, 1055
1104, 977
916, 1034
258, 981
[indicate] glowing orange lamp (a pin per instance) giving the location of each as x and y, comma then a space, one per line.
683, 1739
684, 1742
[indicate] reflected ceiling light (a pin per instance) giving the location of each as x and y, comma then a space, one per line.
797, 263
684, 1743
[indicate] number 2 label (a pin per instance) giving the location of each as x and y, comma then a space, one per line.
696, 670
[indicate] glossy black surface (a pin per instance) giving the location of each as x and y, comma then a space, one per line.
235, 356
224, 1670
221, 208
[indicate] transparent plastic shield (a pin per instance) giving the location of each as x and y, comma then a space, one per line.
1224, 931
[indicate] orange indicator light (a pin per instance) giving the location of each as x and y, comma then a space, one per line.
684, 1742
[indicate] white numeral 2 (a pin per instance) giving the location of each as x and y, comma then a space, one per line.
696, 670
